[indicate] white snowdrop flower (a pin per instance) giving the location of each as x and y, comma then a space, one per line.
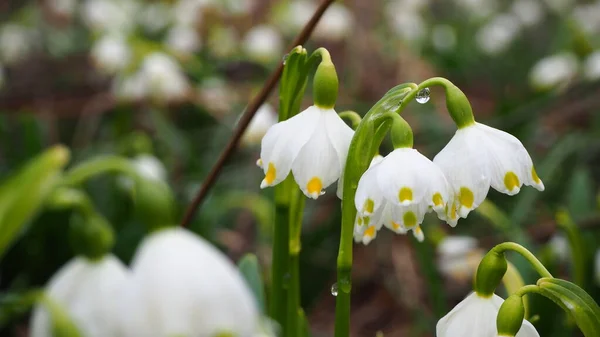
409, 26
164, 77
264, 118
313, 145
62, 7
479, 156
130, 87
479, 9
475, 316
155, 16
458, 257
181, 285
263, 43
591, 67
109, 15
529, 12
335, 24
560, 247
16, 41
553, 71
586, 17
397, 192
183, 40
443, 37
88, 291
497, 35
111, 54
597, 267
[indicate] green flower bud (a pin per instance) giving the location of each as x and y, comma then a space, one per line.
458, 106
91, 235
325, 84
154, 203
510, 316
401, 132
490, 272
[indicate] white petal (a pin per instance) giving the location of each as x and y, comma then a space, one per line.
409, 216
465, 164
418, 234
340, 190
317, 165
388, 221
283, 142
368, 192
340, 135
400, 177
527, 330
473, 317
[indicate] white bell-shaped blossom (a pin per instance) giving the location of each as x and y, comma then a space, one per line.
313, 145
88, 291
264, 118
479, 156
183, 286
458, 257
163, 77
475, 316
335, 24
263, 43
397, 192
553, 71
111, 53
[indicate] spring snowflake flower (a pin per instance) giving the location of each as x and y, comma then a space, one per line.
111, 54
183, 286
313, 145
475, 316
397, 192
479, 156
87, 290
553, 71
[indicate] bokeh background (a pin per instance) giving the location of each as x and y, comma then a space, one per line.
164, 83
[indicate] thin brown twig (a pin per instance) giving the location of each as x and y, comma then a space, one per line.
247, 117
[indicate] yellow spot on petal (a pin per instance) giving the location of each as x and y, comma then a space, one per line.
367, 219
395, 226
370, 232
410, 219
369, 206
452, 210
314, 186
511, 181
535, 176
437, 199
271, 173
466, 197
405, 194
360, 221
418, 230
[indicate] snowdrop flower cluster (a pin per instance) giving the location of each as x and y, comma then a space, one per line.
265, 118
553, 71
263, 43
476, 316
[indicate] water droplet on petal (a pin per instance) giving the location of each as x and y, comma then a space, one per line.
423, 96
334, 289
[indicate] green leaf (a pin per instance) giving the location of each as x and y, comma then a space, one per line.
577, 245
250, 269
293, 82
575, 301
23, 195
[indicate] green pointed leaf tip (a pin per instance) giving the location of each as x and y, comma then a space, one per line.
22, 195
510, 316
250, 269
490, 272
293, 83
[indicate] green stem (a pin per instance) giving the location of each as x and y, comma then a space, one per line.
535, 263
106, 164
295, 246
352, 116
528, 289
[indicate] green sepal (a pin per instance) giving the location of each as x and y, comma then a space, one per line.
91, 235
23, 195
458, 106
154, 203
574, 301
325, 85
250, 269
510, 316
490, 272
293, 82
401, 132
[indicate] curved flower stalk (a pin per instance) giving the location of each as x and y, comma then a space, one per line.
87, 290
313, 144
182, 286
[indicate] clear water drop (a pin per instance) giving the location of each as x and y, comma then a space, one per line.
423, 95
285, 57
334, 289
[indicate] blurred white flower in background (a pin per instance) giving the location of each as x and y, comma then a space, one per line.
183, 40
591, 66
264, 118
150, 167
129, 87
559, 6
559, 245
223, 41
64, 8
497, 34
155, 16
479, 9
335, 24
182, 286
237, 7
164, 77
263, 43
443, 37
458, 257
529, 12
216, 96
553, 70
16, 41
409, 26
111, 53
109, 15
586, 16
295, 15
88, 291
